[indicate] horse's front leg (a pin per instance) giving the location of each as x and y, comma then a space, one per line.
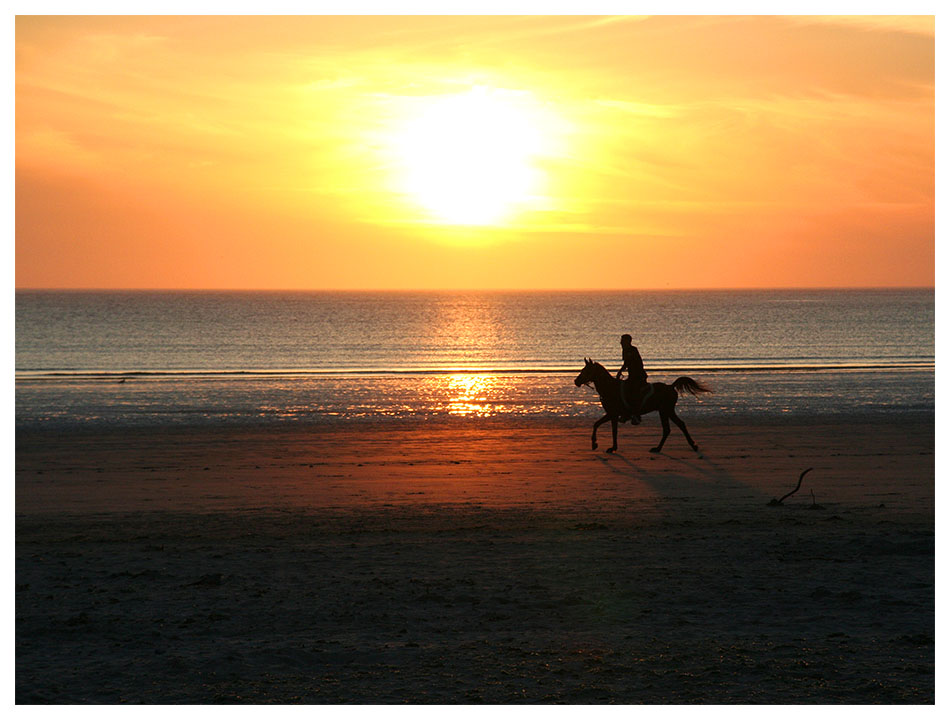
613, 427
593, 437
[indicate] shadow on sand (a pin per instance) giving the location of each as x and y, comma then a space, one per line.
699, 472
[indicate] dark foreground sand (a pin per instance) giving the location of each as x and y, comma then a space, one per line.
477, 561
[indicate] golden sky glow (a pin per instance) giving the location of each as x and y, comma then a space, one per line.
474, 152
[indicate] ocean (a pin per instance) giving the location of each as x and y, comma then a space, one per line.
117, 358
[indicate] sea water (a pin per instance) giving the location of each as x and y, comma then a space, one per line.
144, 358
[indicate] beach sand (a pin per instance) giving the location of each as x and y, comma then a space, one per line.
477, 560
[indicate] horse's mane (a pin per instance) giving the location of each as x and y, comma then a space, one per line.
601, 369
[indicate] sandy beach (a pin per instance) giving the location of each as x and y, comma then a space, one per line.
476, 561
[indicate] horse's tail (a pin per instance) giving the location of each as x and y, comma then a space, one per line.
690, 386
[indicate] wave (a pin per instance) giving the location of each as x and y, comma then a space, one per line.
261, 373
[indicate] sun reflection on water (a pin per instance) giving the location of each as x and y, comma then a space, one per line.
469, 395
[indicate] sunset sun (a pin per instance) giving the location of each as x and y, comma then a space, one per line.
472, 158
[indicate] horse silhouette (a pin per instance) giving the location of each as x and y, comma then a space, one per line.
661, 398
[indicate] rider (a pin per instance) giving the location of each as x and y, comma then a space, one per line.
636, 375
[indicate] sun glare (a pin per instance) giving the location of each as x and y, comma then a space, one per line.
470, 395
471, 158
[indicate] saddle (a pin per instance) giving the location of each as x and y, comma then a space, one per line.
634, 397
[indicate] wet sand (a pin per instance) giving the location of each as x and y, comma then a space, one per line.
477, 561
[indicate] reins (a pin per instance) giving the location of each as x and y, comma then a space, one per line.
592, 383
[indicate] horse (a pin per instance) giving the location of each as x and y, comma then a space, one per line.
662, 399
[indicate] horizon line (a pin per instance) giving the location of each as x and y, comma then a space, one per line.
759, 288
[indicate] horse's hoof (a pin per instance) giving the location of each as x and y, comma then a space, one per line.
654, 450
610, 450
695, 448
593, 446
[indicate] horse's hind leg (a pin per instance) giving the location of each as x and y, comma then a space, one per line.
666, 432
682, 426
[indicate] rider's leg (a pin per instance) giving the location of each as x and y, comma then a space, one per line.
624, 401
636, 403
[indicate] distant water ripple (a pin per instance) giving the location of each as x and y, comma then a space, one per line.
113, 358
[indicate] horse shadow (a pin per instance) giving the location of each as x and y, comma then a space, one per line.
697, 472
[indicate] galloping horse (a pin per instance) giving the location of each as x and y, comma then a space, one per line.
662, 399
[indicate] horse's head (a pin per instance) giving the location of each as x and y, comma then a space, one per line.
587, 374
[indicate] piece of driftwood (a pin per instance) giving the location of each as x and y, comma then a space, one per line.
773, 502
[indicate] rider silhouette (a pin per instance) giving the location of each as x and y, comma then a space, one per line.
636, 376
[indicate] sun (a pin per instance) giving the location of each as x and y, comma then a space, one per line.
473, 158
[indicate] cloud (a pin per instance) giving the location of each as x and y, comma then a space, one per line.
49, 148
923, 25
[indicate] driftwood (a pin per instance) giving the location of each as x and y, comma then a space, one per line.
773, 502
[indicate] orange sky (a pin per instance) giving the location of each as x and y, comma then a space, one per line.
474, 152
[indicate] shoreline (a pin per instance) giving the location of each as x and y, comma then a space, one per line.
657, 368
428, 401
